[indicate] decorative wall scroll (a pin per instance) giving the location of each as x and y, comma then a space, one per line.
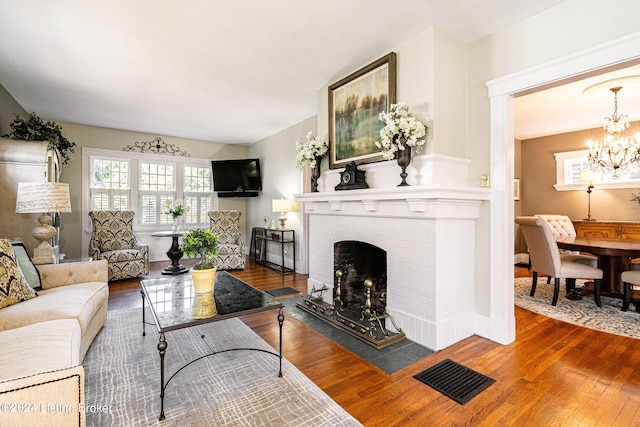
156, 146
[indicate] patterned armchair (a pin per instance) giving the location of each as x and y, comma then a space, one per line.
231, 245
112, 239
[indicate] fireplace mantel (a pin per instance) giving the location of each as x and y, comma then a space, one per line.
430, 201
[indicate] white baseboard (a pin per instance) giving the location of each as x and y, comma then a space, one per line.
521, 259
494, 329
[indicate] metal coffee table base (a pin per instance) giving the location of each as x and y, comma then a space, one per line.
162, 348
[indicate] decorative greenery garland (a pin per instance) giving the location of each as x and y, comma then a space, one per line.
35, 129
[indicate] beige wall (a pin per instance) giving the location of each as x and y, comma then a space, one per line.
519, 244
539, 176
277, 155
8, 110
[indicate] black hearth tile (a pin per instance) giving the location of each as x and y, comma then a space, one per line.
395, 363
416, 351
368, 352
390, 359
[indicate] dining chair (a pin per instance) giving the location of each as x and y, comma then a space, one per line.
629, 279
546, 259
561, 225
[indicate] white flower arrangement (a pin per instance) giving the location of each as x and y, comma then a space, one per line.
400, 126
306, 152
174, 207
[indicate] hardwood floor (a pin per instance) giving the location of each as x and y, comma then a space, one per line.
554, 373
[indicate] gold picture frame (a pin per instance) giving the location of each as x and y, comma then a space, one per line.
516, 189
355, 103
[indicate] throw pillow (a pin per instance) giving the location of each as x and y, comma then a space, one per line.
26, 265
13, 286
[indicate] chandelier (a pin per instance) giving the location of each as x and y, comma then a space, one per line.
617, 153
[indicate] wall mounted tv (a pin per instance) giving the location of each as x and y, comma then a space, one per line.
236, 178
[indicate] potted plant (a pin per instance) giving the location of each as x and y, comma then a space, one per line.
201, 243
35, 129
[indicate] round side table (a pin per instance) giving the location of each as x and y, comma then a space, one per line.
174, 253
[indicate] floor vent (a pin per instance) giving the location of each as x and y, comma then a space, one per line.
454, 380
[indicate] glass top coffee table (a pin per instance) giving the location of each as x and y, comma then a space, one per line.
175, 305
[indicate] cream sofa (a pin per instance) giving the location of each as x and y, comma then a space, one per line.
43, 342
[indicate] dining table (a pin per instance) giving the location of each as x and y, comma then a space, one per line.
614, 257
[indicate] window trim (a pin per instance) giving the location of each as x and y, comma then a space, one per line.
89, 153
177, 180
91, 175
609, 185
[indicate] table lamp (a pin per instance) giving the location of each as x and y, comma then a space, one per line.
43, 198
588, 176
283, 206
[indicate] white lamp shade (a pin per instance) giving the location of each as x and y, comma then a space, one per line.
42, 197
587, 175
282, 205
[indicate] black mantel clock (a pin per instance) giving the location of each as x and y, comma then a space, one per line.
352, 178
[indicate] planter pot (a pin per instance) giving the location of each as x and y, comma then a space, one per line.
203, 280
204, 306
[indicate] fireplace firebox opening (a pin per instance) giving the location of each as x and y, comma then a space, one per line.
359, 294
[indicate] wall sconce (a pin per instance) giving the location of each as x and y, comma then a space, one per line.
283, 206
43, 198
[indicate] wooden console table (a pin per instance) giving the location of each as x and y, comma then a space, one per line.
608, 229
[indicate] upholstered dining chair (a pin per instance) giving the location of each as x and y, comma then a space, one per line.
629, 279
231, 244
112, 239
561, 225
546, 259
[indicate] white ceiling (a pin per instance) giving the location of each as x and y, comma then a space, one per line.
218, 70
566, 108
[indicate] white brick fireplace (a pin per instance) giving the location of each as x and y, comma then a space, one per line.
428, 234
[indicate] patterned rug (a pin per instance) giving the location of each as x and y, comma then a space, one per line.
582, 312
238, 388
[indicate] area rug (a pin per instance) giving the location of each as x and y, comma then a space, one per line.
390, 359
582, 312
238, 388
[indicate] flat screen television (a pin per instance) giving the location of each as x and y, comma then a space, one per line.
237, 178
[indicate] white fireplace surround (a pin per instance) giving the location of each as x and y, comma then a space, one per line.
428, 233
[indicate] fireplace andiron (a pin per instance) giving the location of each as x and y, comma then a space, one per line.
367, 326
